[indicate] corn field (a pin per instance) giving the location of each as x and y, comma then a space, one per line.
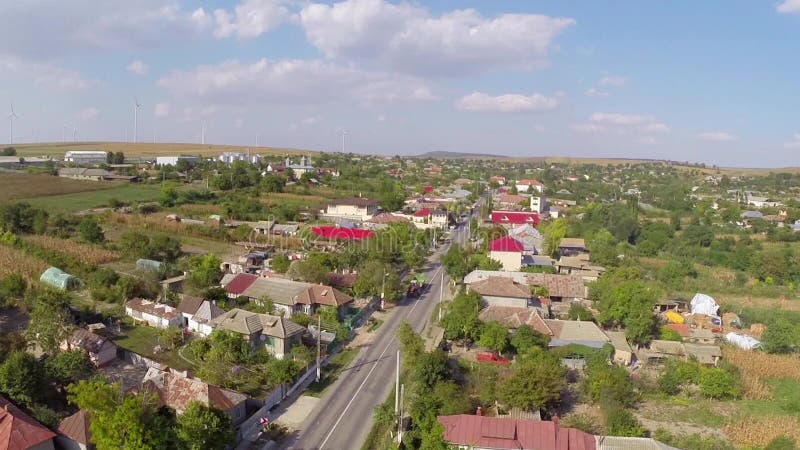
757, 367
88, 254
17, 261
757, 433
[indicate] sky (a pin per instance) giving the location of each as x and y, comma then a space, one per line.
713, 81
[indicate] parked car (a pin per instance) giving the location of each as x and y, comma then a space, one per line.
492, 358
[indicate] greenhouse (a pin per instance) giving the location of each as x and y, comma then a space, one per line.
149, 265
59, 279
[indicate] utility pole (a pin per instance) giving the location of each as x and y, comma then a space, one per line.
397, 386
400, 417
441, 295
383, 290
319, 343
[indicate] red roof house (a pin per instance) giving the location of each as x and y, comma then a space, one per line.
75, 428
515, 217
240, 283
332, 232
512, 434
19, 431
506, 244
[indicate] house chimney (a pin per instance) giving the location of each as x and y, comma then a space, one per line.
479, 411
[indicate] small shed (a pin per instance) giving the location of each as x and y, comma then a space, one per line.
59, 279
149, 265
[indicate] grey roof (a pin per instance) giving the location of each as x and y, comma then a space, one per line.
285, 228
577, 331
619, 341
279, 290
246, 322
630, 443
752, 215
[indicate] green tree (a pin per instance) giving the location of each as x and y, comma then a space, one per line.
411, 344
780, 336
90, 231
461, 319
280, 263
69, 367
526, 339
579, 312
204, 270
536, 382
608, 383
431, 368
50, 322
22, 378
621, 422
494, 337
204, 428
718, 383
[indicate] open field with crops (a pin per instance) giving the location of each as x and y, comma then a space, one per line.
89, 254
15, 186
80, 201
17, 261
147, 150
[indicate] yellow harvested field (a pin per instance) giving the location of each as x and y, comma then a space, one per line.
145, 150
88, 254
758, 432
757, 367
16, 261
14, 186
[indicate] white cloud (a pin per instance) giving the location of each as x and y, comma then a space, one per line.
793, 144
290, 82
138, 68
592, 92
88, 114
789, 6
615, 81
200, 18
717, 136
309, 120
479, 101
406, 37
161, 109
47, 75
251, 18
616, 123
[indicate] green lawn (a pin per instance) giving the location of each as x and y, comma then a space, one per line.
331, 372
785, 400
143, 339
68, 203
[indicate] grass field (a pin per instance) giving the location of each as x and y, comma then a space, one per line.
143, 339
145, 150
86, 200
15, 186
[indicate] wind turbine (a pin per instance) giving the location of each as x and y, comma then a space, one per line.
75, 134
64, 133
203, 134
11, 118
344, 134
136, 106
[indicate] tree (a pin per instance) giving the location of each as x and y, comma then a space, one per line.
461, 319
411, 344
69, 367
204, 270
779, 337
608, 383
535, 383
384, 415
621, 422
718, 383
282, 370
280, 263
431, 368
579, 312
8, 151
21, 378
201, 427
494, 337
90, 231
526, 339
273, 183
50, 322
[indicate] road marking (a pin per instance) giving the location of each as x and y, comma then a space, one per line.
374, 366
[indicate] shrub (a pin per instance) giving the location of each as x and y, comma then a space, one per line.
718, 383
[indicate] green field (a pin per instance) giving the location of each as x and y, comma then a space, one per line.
143, 339
68, 203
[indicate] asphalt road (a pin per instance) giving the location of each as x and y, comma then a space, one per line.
343, 418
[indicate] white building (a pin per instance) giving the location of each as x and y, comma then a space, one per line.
85, 157
173, 160
525, 186
355, 208
198, 313
538, 203
155, 314
299, 169
230, 157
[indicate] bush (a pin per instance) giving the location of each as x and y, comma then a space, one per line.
718, 383
621, 422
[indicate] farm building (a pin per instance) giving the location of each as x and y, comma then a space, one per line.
59, 279
149, 265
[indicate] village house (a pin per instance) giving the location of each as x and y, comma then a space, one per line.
538, 204
503, 217
561, 289
529, 186
508, 252
20, 431
581, 332
291, 297
502, 291
510, 201
276, 334
82, 173
100, 349
661, 350
572, 247
74, 433
355, 208
478, 432
513, 317
155, 314
177, 392
623, 353
198, 313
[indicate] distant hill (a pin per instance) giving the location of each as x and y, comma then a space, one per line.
453, 155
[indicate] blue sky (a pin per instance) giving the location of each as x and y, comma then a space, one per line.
711, 81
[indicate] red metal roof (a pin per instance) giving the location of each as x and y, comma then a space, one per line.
240, 283
19, 431
506, 244
512, 434
681, 328
515, 217
424, 212
331, 232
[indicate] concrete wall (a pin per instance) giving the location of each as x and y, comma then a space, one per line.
511, 261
